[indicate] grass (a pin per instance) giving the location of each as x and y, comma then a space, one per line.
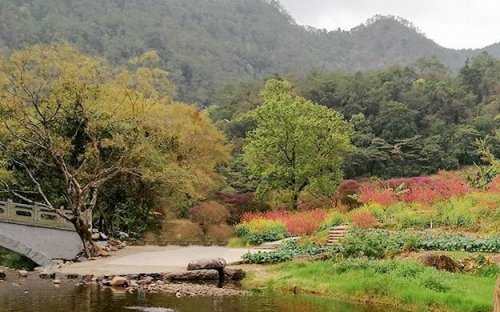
15, 261
398, 283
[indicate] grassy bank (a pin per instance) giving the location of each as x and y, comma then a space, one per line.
398, 283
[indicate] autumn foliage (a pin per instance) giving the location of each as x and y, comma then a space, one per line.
297, 223
423, 190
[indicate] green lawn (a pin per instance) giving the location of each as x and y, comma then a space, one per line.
400, 283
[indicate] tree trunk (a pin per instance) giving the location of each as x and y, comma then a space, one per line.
295, 200
83, 230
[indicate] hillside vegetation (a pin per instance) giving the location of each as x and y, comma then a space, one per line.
205, 44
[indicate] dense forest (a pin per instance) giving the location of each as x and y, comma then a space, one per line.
205, 44
408, 106
408, 120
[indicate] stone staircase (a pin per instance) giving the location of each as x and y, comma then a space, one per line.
336, 234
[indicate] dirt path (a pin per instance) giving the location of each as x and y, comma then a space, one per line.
152, 259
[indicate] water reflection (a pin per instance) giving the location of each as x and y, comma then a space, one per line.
42, 296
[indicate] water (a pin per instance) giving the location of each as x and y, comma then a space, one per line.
34, 295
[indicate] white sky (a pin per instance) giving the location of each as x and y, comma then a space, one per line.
451, 23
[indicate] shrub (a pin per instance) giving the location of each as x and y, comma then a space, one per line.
258, 231
423, 190
286, 252
346, 193
297, 223
363, 219
182, 231
333, 218
494, 186
208, 213
220, 233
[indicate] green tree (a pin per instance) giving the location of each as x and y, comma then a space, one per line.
297, 144
70, 124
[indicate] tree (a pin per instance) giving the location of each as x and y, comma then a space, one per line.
297, 144
70, 124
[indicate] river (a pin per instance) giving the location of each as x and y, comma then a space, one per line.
35, 295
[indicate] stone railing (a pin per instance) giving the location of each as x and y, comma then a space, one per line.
33, 215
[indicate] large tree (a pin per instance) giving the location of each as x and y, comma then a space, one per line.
70, 124
297, 144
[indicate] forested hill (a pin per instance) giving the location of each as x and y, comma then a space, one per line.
206, 43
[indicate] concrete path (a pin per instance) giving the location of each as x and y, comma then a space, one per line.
152, 259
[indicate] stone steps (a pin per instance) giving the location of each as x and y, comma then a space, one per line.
336, 234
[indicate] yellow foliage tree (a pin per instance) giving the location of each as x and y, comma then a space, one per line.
70, 123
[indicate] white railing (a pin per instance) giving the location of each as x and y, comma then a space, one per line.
33, 215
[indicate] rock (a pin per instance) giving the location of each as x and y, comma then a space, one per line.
103, 236
123, 235
95, 236
102, 253
440, 262
234, 274
207, 264
200, 275
56, 281
3, 276
47, 275
22, 273
119, 281
72, 276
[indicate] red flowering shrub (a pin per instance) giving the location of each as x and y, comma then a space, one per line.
297, 223
345, 193
494, 186
363, 219
424, 190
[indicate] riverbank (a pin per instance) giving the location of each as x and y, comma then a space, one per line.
401, 284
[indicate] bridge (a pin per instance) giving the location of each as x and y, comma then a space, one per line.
37, 233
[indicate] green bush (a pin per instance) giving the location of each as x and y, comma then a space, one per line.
286, 252
259, 231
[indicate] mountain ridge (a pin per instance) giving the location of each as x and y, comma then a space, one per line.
206, 44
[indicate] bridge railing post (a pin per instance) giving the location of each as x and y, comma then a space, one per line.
10, 209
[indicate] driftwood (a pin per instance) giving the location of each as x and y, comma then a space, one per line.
217, 264
496, 300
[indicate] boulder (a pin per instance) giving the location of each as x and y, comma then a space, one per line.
207, 264
3, 275
440, 262
119, 281
22, 273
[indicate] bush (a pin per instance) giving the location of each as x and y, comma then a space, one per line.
297, 223
333, 218
220, 233
286, 252
423, 190
182, 231
346, 193
208, 213
258, 231
363, 219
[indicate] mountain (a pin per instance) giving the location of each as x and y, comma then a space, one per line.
205, 44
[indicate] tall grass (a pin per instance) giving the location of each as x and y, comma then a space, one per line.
401, 283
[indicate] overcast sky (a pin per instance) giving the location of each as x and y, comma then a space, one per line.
451, 23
